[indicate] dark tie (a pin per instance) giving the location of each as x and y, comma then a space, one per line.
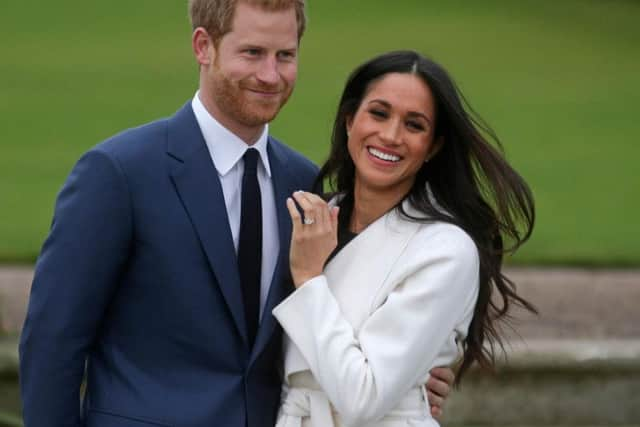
250, 244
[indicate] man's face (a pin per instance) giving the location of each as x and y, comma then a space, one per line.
254, 69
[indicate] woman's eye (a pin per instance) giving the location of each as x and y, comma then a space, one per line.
415, 126
378, 113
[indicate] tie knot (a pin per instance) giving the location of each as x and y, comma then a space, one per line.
251, 160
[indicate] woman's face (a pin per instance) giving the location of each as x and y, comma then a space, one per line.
391, 133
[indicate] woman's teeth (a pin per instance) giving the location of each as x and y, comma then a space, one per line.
383, 156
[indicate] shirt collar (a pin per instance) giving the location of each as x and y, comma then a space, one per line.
225, 147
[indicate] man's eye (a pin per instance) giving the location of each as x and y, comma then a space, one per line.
253, 52
287, 55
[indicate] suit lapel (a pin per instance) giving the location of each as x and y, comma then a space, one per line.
198, 185
281, 285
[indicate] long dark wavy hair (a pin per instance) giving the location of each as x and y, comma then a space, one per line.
469, 178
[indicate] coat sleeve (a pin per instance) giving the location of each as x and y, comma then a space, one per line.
75, 276
366, 373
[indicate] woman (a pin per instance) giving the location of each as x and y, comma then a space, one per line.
422, 206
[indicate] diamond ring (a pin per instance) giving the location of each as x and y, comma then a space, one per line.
308, 221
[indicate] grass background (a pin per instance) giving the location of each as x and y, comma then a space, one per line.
558, 81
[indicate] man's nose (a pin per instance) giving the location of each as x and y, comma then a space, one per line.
268, 71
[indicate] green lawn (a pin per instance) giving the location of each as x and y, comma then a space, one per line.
558, 81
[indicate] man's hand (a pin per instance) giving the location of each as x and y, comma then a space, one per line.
438, 389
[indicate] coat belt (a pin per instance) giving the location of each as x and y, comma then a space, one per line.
299, 403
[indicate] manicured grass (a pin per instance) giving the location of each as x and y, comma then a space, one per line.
558, 81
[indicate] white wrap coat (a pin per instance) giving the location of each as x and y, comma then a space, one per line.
392, 304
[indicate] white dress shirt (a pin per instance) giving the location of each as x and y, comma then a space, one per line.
226, 150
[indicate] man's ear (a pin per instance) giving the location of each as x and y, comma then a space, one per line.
203, 47
435, 148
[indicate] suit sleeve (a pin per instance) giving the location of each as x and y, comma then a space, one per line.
366, 373
76, 273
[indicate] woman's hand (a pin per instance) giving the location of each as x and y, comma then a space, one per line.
312, 239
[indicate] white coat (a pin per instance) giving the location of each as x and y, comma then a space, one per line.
362, 338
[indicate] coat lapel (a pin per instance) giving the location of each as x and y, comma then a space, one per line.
198, 185
360, 270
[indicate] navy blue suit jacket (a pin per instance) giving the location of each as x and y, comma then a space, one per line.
137, 284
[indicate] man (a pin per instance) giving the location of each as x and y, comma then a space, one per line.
143, 281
